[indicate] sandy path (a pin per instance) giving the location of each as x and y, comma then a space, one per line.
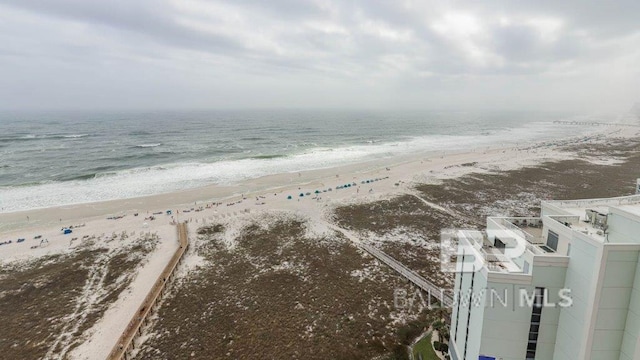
84, 304
105, 333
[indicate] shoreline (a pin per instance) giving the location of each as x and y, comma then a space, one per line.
402, 168
103, 189
275, 183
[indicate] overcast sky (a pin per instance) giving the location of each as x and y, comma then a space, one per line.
539, 54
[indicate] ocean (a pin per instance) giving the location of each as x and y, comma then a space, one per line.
60, 158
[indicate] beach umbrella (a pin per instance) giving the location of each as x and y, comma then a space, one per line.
317, 191
301, 194
289, 197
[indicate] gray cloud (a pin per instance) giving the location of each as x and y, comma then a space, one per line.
318, 53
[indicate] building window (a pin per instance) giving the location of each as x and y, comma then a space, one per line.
466, 339
569, 249
552, 240
534, 328
499, 244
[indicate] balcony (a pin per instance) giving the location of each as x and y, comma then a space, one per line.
527, 228
595, 230
492, 257
531, 227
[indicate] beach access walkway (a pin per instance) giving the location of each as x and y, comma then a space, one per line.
594, 123
430, 288
126, 342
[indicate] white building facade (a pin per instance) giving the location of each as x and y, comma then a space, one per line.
562, 286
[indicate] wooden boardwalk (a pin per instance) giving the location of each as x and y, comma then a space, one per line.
424, 284
594, 123
126, 342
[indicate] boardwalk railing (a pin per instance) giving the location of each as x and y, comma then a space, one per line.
126, 342
410, 275
593, 123
424, 284
614, 201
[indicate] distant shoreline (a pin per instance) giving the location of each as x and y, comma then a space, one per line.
78, 161
403, 168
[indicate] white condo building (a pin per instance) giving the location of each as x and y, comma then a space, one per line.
562, 286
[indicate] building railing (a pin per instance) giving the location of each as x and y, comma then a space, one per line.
566, 220
493, 260
524, 222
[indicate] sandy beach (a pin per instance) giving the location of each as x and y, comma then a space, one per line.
262, 194
405, 169
310, 194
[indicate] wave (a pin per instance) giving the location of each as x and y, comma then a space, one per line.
268, 156
17, 138
35, 137
78, 177
53, 136
139, 132
148, 145
252, 138
99, 184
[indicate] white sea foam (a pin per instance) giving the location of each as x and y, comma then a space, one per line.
172, 177
148, 145
74, 136
53, 136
